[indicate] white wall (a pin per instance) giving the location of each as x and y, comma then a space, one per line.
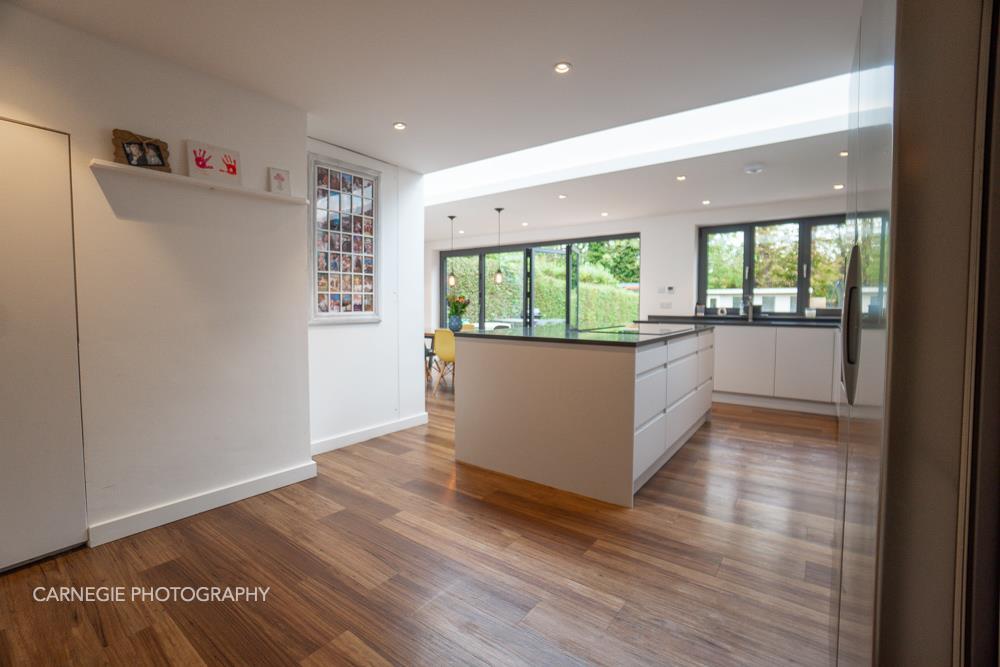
368, 379
668, 250
192, 303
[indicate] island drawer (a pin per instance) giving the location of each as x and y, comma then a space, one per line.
706, 364
682, 377
703, 397
650, 395
705, 340
650, 443
682, 347
650, 356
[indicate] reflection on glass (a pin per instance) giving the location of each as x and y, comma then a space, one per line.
873, 241
829, 252
505, 302
776, 268
724, 269
604, 284
466, 270
548, 289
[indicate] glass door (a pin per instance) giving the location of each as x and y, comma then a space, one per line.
504, 295
863, 341
547, 292
465, 269
604, 283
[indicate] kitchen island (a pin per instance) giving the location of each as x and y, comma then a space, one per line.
596, 412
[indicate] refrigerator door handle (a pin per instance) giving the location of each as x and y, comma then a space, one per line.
850, 325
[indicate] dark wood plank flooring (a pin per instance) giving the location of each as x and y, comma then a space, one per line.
395, 555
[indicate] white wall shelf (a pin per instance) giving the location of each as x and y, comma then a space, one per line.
166, 177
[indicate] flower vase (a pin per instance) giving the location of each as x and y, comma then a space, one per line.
455, 322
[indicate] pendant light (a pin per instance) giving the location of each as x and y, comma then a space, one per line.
451, 274
498, 276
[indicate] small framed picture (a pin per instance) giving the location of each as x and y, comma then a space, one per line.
139, 151
279, 181
214, 163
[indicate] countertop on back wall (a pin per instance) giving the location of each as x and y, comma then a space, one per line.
818, 322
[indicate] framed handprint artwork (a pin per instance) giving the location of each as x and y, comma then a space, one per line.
214, 163
344, 248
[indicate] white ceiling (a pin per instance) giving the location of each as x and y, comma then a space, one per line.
803, 169
473, 78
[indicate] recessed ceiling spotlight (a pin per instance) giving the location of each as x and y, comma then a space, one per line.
604, 214
563, 67
524, 224
843, 153
562, 196
399, 125
706, 202
682, 178
753, 168
461, 231
838, 186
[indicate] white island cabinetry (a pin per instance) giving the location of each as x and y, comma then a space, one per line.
595, 418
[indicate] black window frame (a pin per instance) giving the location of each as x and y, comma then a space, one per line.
803, 270
527, 303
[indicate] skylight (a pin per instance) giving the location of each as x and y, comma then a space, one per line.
807, 110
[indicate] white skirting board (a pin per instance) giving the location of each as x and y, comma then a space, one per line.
775, 403
354, 437
113, 529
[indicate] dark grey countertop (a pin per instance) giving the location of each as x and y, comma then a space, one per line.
817, 323
633, 335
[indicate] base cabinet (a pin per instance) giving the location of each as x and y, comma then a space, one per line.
673, 395
786, 362
744, 360
803, 359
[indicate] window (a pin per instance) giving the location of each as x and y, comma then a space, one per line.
784, 266
345, 242
465, 268
725, 258
605, 283
828, 253
776, 268
585, 283
505, 300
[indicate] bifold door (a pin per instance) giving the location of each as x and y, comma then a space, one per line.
42, 502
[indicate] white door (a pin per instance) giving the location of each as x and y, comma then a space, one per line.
42, 502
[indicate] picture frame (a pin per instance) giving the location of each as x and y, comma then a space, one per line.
214, 163
139, 151
279, 181
345, 247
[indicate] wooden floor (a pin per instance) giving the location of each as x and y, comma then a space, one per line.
393, 555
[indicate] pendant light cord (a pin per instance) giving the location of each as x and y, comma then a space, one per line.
498, 210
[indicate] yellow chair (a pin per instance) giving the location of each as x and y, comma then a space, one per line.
444, 350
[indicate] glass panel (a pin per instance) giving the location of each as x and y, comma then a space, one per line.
548, 290
873, 241
724, 278
505, 302
466, 270
606, 283
828, 256
776, 268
